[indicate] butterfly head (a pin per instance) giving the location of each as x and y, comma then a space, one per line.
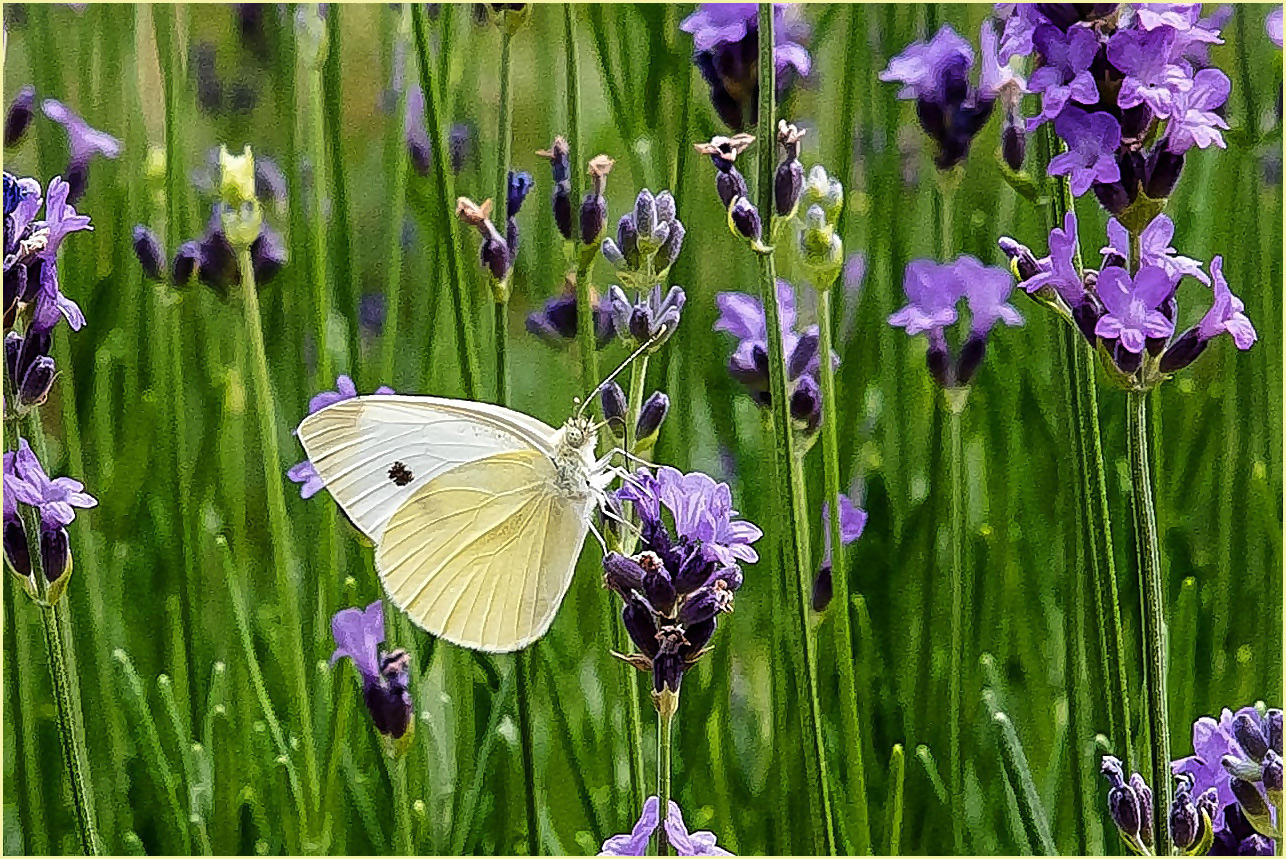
579, 436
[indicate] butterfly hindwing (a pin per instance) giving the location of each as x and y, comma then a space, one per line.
374, 453
482, 554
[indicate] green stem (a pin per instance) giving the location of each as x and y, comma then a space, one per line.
633, 707
1091, 488
955, 765
332, 75
1152, 589
401, 808
789, 467
664, 723
503, 139
584, 302
55, 621
395, 159
466, 337
526, 741
279, 524
840, 606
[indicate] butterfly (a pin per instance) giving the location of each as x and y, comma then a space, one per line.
478, 512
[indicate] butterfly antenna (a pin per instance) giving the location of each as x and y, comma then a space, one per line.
580, 412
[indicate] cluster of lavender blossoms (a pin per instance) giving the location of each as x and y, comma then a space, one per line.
1229, 794
684, 574
933, 291
498, 252
1127, 89
684, 843
725, 38
37, 509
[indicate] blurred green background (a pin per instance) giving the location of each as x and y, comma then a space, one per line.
158, 646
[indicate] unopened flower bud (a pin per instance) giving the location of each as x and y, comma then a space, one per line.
641, 625
971, 355
560, 165
645, 218
1273, 732
1144, 793
612, 253
614, 409
669, 250
1272, 773
938, 359
1252, 802
627, 240
1184, 819
666, 209
185, 263
267, 254
622, 574
1249, 736
1163, 169
593, 217
823, 588
562, 206
18, 120
1013, 141
651, 416
55, 552
822, 190
1122, 802
744, 219
34, 385
706, 603
148, 250
806, 404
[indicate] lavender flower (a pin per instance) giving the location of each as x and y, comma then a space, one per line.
31, 253
654, 314
56, 500
1150, 77
555, 323
1212, 741
385, 676
685, 574
304, 473
1273, 24
1059, 271
1092, 139
726, 41
1193, 120
935, 74
83, 142
1133, 315
681, 841
852, 522
1065, 74
1154, 248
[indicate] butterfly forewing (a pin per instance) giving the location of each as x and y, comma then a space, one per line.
373, 453
483, 553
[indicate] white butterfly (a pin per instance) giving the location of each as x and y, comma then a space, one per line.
478, 512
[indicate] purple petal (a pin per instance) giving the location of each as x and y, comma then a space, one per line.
358, 635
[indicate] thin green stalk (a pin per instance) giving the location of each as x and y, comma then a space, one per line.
70, 731
396, 160
840, 607
1091, 490
789, 468
584, 307
504, 136
340, 709
279, 525
664, 724
526, 742
955, 764
634, 708
466, 337
893, 824
1019, 773
401, 808
331, 78
1152, 590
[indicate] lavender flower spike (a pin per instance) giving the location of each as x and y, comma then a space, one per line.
1132, 306
358, 635
1091, 139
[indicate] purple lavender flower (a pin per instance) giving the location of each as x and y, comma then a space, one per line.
555, 323
1091, 139
18, 119
1211, 742
852, 522
1227, 314
1132, 306
26, 482
304, 473
726, 41
922, 66
1021, 21
1154, 248
701, 509
932, 290
986, 289
83, 142
39, 274
1061, 272
385, 676
1273, 24
1150, 76
682, 842
1191, 31
1193, 120
1193, 46
1065, 74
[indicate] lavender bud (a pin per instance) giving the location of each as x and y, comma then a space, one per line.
36, 382
388, 699
1144, 793
666, 209
55, 553
1250, 798
1249, 736
1023, 260
1272, 772
1126, 361
823, 588
1013, 141
788, 185
12, 349
651, 416
645, 219
1184, 820
593, 217
1183, 351
732, 576
1087, 313
669, 250
148, 250
804, 354
18, 120
938, 360
667, 672
745, 219
1163, 171
657, 586
730, 186
696, 569
1112, 196
495, 256
641, 626
806, 404
16, 551
267, 254
614, 409
185, 263
971, 355
698, 636
622, 574
1273, 723
1122, 803
627, 240
612, 253
562, 205
706, 603
518, 186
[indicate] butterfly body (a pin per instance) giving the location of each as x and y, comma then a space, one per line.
478, 512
